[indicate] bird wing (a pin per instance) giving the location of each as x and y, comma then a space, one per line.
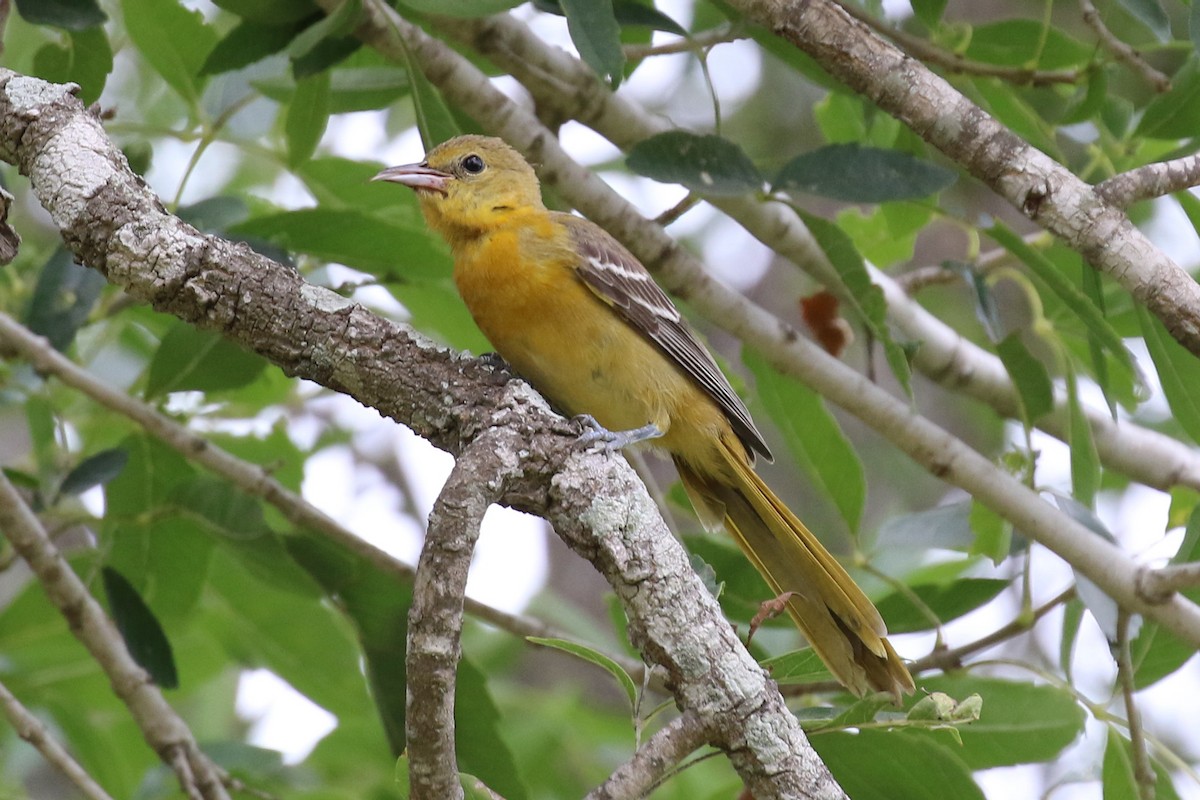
620, 280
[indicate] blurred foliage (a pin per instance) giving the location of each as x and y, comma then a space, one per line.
246, 98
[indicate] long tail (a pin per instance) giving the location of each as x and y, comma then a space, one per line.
839, 621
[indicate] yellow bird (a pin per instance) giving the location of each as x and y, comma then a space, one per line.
579, 317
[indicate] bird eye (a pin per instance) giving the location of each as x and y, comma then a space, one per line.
473, 164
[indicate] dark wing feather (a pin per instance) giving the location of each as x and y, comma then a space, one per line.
619, 279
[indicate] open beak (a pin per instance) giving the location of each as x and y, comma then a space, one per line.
420, 177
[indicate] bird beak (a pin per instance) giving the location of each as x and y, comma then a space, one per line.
420, 177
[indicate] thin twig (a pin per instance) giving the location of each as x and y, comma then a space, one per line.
691, 44
162, 728
1151, 180
638, 776
1121, 50
254, 480
29, 728
1143, 773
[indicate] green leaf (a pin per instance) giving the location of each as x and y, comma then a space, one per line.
1151, 14
987, 311
862, 174
73, 15
228, 511
350, 88
1119, 776
357, 239
337, 25
947, 601
175, 41
1021, 722
62, 299
1026, 43
1176, 114
895, 765
797, 667
95, 470
929, 11
707, 164
1178, 371
993, 533
435, 121
248, 42
143, 635
1103, 608
813, 436
865, 296
1073, 297
1085, 462
945, 527
269, 12
597, 36
1194, 26
461, 8
87, 61
189, 359
1029, 375
593, 656
307, 116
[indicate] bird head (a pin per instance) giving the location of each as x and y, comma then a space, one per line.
469, 183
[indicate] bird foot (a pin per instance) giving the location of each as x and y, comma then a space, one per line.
596, 435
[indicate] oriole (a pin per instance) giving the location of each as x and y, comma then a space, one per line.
576, 314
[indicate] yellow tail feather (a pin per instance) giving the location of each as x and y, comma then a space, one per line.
839, 621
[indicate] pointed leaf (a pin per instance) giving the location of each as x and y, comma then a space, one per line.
888, 765
1151, 14
704, 164
95, 470
248, 42
189, 359
143, 635
947, 601
1029, 375
307, 116
813, 436
1176, 114
1085, 462
597, 36
63, 298
593, 656
175, 40
862, 174
73, 15
864, 295
1178, 371
797, 667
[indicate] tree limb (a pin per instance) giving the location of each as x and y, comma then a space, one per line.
162, 728
1151, 180
562, 83
929, 445
29, 728
596, 504
478, 479
1039, 187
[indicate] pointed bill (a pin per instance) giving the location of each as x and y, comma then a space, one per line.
420, 177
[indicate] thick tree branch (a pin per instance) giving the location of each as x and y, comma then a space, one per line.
478, 479
162, 728
562, 83
597, 505
1035, 184
251, 478
27, 726
930, 446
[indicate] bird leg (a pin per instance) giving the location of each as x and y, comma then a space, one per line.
609, 441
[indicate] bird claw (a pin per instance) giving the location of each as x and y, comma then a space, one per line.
595, 435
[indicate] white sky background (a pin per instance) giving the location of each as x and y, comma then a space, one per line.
510, 561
